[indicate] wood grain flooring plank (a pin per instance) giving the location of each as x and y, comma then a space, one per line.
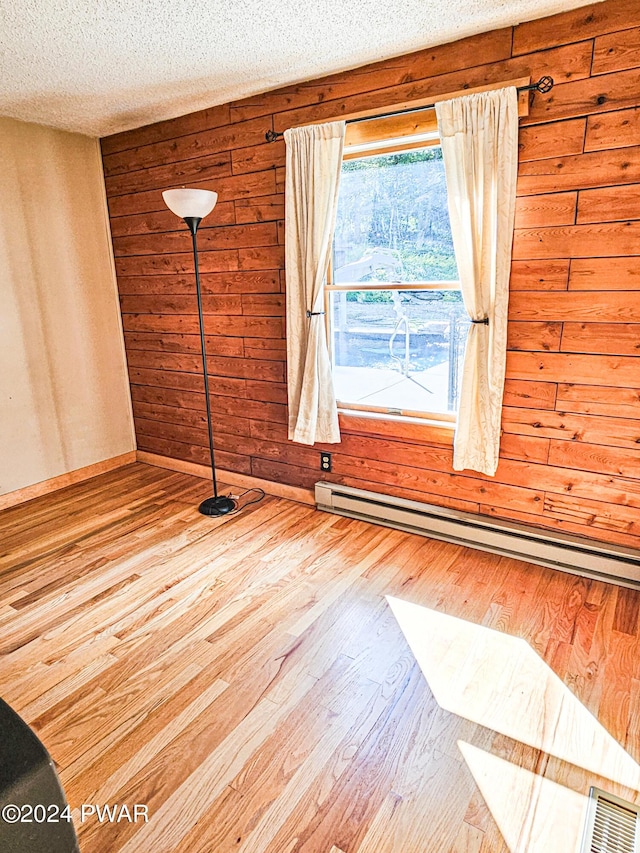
264, 778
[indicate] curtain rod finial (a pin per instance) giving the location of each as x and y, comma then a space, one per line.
544, 84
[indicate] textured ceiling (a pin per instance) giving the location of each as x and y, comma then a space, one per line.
101, 66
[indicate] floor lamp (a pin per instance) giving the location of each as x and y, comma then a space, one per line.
193, 205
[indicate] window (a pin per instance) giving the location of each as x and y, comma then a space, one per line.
396, 321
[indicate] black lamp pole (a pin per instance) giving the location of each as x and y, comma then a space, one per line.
217, 505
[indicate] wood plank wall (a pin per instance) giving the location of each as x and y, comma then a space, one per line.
570, 454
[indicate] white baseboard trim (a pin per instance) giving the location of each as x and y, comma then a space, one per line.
28, 493
230, 478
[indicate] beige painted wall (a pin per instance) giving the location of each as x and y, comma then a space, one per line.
64, 395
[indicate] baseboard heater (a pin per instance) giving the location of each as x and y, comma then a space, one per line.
562, 551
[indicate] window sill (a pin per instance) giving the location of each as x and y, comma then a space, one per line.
416, 430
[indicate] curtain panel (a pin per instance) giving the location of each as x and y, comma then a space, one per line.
479, 137
313, 165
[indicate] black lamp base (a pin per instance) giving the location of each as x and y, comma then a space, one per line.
217, 506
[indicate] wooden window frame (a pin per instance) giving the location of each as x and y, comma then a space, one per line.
389, 135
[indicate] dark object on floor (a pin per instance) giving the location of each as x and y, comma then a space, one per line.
32, 802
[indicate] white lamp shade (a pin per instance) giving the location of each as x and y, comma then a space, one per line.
190, 202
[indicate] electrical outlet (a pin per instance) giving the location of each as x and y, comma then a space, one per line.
325, 461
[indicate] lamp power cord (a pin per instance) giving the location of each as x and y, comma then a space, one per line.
260, 494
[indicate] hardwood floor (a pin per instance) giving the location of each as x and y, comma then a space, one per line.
250, 683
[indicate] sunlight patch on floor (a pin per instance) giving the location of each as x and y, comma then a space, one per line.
534, 814
499, 682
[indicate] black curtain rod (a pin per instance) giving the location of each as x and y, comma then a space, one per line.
544, 85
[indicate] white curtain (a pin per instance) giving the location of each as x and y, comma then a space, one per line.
314, 161
479, 135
